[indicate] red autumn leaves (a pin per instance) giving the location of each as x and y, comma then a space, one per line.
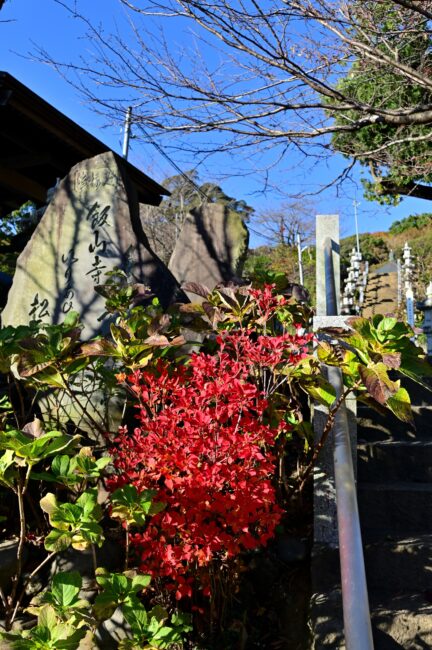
204, 445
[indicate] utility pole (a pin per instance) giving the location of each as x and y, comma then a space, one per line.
356, 204
127, 129
300, 251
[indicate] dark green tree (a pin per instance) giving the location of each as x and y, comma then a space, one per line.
398, 156
374, 249
418, 221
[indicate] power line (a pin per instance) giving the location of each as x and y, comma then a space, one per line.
174, 164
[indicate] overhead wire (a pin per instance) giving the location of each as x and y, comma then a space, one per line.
171, 161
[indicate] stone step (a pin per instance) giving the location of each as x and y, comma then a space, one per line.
398, 623
394, 509
404, 621
393, 566
372, 427
394, 460
396, 567
382, 428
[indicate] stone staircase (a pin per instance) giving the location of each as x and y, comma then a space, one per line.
394, 484
381, 291
394, 487
395, 503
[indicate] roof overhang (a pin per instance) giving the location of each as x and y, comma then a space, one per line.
39, 144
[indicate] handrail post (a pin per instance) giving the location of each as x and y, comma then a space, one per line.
335, 473
356, 615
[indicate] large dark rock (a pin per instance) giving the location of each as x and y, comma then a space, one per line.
211, 248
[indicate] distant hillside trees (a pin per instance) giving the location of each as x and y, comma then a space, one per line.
374, 249
418, 221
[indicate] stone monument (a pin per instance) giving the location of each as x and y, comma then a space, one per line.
91, 226
211, 247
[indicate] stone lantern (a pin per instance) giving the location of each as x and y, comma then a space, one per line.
426, 307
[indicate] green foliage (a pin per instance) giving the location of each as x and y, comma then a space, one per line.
63, 597
50, 633
46, 355
374, 249
17, 221
418, 221
132, 507
33, 445
376, 347
64, 619
118, 590
76, 470
395, 155
74, 524
154, 628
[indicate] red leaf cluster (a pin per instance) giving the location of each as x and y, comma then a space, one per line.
204, 447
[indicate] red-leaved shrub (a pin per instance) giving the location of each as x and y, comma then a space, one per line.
204, 446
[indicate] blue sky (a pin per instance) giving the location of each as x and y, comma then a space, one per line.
27, 23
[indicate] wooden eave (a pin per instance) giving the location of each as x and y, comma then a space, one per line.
39, 144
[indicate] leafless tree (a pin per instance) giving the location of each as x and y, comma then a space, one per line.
264, 74
283, 225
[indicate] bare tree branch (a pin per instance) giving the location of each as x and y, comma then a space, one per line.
262, 74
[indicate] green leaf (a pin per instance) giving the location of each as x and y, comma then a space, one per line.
140, 582
386, 324
132, 506
87, 466
118, 589
183, 619
327, 353
63, 468
362, 326
104, 605
6, 473
49, 376
71, 320
62, 443
321, 391
72, 642
49, 504
47, 617
77, 365
89, 505
163, 633
58, 540
66, 513
92, 532
66, 587
360, 347
137, 619
158, 613
400, 405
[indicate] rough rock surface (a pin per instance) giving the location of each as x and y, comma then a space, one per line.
211, 248
90, 227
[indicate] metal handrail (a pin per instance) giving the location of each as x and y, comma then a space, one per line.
355, 601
